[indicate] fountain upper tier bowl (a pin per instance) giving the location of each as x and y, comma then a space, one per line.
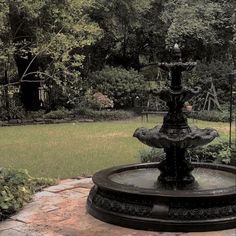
190, 138
182, 66
130, 196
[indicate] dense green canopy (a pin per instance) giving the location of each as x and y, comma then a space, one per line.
60, 43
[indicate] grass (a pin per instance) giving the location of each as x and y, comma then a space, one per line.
69, 150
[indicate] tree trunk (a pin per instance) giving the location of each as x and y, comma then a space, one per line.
23, 36
7, 102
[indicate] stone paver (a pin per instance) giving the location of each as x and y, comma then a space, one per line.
61, 211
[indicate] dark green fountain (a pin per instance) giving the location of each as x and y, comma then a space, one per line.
173, 195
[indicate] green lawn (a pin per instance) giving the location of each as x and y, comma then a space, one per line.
69, 150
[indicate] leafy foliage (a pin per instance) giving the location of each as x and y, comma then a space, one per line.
60, 42
217, 72
57, 114
102, 101
121, 85
211, 116
16, 189
218, 152
196, 26
14, 111
123, 41
96, 101
68, 30
103, 114
151, 155
53, 35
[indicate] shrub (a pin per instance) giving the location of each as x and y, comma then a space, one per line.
120, 85
14, 111
210, 153
225, 155
16, 189
151, 155
218, 152
211, 116
103, 101
95, 101
58, 114
104, 114
35, 114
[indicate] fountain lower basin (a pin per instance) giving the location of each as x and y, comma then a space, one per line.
130, 196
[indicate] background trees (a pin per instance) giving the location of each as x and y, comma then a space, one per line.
203, 28
58, 44
46, 38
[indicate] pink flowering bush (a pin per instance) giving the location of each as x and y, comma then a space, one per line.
102, 101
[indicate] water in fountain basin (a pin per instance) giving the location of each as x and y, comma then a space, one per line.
146, 178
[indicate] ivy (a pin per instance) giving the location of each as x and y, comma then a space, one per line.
17, 188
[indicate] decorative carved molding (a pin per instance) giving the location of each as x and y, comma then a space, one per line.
131, 209
178, 210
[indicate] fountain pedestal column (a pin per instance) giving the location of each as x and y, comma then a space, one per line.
175, 169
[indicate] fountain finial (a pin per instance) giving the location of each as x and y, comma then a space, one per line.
177, 52
176, 47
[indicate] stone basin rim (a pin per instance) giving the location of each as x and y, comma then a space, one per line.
102, 180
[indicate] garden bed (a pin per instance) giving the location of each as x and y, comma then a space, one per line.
59, 117
16, 122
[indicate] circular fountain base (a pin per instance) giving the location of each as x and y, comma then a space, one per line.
130, 196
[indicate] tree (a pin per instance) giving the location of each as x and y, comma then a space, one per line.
121, 21
203, 28
47, 38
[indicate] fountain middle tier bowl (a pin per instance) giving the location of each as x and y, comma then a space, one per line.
178, 138
130, 196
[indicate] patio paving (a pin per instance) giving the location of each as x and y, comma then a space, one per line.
61, 211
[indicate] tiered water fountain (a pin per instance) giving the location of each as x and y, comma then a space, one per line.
173, 195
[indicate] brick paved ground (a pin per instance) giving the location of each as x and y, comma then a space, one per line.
60, 211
